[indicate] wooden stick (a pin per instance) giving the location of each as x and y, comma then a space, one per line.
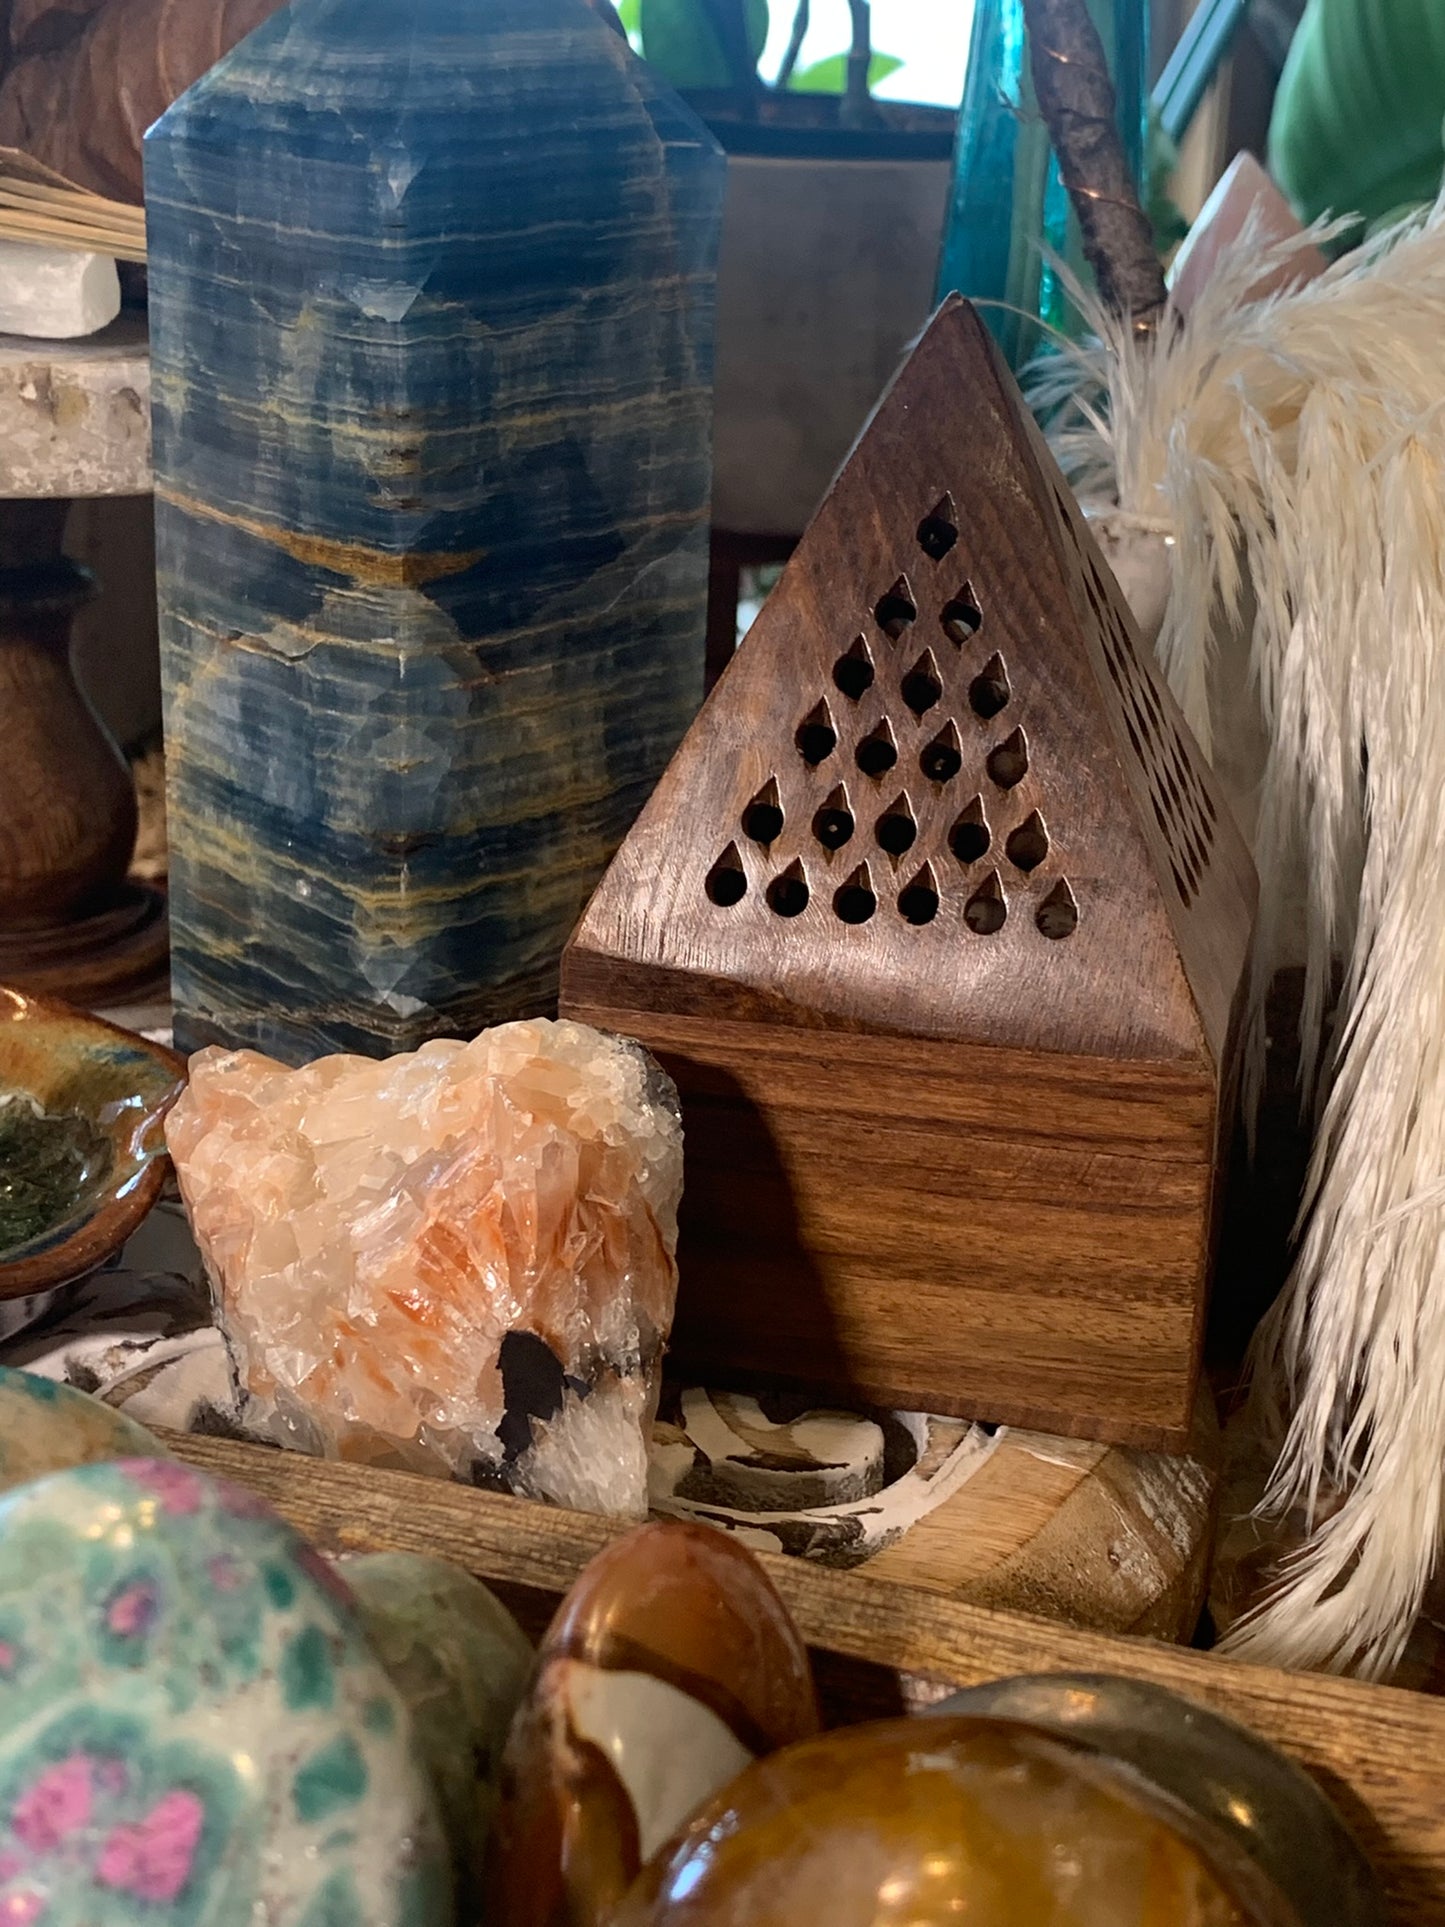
15, 226
1076, 98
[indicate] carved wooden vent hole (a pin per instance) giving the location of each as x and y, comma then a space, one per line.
816, 737
1008, 763
922, 686
896, 829
927, 860
961, 617
854, 900
918, 899
986, 911
942, 759
1028, 845
833, 824
938, 531
878, 752
1058, 915
1182, 807
727, 881
788, 893
853, 673
896, 609
989, 691
763, 817
970, 836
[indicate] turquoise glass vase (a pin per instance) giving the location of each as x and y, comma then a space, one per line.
431, 294
1009, 211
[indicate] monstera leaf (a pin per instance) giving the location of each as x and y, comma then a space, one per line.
830, 76
1356, 126
681, 41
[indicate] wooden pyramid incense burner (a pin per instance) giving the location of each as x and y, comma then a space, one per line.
940, 921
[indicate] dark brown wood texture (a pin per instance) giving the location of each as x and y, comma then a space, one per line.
939, 919
879, 1645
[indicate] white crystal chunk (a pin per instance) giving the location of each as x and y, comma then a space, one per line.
55, 294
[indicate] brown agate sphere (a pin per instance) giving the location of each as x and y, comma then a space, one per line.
937, 1822
671, 1665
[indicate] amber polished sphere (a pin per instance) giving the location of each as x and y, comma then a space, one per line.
947, 1822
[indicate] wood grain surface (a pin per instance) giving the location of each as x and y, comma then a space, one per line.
936, 876
1378, 1752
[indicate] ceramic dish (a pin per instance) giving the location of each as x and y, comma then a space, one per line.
82, 1149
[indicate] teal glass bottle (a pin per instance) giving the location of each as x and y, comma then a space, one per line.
431, 289
1008, 210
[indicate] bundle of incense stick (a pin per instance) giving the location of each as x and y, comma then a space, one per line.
38, 205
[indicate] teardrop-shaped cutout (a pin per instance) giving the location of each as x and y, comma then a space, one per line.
938, 531
942, 759
853, 900
961, 617
815, 736
833, 822
918, 899
1058, 914
788, 893
878, 752
989, 691
1009, 762
1028, 845
763, 816
970, 836
923, 685
986, 911
727, 881
896, 830
853, 672
896, 609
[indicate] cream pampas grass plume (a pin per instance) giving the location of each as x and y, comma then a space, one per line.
1295, 449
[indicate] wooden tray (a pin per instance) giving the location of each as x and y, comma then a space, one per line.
880, 1646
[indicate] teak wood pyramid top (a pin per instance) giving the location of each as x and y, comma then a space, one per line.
942, 790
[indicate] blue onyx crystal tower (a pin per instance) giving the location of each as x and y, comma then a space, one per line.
431, 289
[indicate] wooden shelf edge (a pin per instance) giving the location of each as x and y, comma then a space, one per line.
1377, 1750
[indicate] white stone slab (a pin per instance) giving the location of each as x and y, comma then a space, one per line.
75, 415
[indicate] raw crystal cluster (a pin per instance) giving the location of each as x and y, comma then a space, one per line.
457, 1260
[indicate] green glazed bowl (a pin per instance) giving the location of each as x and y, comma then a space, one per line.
82, 1149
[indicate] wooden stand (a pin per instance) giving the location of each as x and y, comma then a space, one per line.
73, 421
71, 925
880, 1645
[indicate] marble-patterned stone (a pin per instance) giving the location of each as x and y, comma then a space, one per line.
192, 1725
45, 1427
461, 1663
930, 1822
670, 1666
431, 295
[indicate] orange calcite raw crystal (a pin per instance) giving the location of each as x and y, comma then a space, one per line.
458, 1260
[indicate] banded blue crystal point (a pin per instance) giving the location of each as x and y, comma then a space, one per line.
431, 290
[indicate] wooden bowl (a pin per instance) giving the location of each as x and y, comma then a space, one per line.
98, 1097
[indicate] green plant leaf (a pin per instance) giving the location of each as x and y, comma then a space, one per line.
629, 12
679, 40
830, 76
